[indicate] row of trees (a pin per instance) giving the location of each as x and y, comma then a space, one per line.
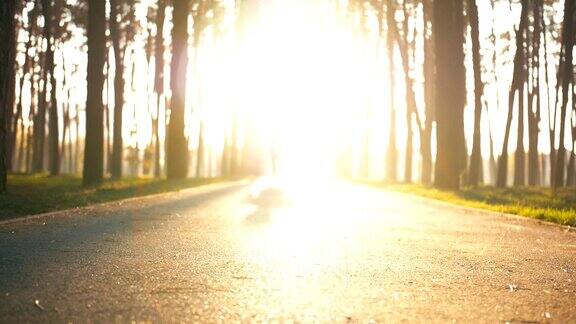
448, 27
439, 44
46, 127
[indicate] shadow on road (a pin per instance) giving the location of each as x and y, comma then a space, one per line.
266, 201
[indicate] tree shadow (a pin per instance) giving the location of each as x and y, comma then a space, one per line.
266, 201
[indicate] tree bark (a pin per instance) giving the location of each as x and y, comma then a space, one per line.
567, 76
201, 152
448, 28
53, 138
426, 133
411, 109
517, 83
392, 151
117, 141
93, 171
534, 116
40, 120
476, 157
177, 145
159, 80
32, 19
520, 154
7, 57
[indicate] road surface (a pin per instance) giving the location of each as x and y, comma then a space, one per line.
307, 252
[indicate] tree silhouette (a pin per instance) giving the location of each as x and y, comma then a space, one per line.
448, 26
7, 57
122, 30
516, 87
94, 148
177, 144
476, 158
565, 80
158, 80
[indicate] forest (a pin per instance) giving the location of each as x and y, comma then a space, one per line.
298, 161
446, 93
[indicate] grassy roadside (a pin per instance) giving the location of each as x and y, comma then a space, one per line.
35, 194
539, 203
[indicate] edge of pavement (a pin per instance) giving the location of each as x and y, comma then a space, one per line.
201, 189
476, 210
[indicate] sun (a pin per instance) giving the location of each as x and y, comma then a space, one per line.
297, 75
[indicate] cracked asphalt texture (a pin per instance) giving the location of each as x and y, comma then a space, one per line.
253, 252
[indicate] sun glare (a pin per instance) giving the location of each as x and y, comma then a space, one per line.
300, 88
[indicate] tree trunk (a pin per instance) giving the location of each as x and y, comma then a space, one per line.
550, 106
21, 146
234, 151
11, 94
409, 149
93, 170
448, 29
411, 109
34, 86
534, 116
117, 146
533, 119
492, 162
571, 174
7, 57
107, 128
476, 158
201, 152
520, 155
65, 130
53, 151
77, 143
159, 80
566, 78
517, 82
570, 180
392, 151
32, 19
177, 145
40, 121
426, 133
65, 120
225, 162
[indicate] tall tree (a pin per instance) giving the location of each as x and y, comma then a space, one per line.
27, 69
515, 90
7, 79
159, 81
566, 78
552, 106
93, 171
448, 29
429, 89
392, 151
405, 48
476, 158
53, 139
121, 31
39, 123
534, 97
177, 145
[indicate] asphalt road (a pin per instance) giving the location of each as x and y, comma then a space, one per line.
307, 252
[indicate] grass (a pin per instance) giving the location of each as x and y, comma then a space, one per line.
539, 203
35, 194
